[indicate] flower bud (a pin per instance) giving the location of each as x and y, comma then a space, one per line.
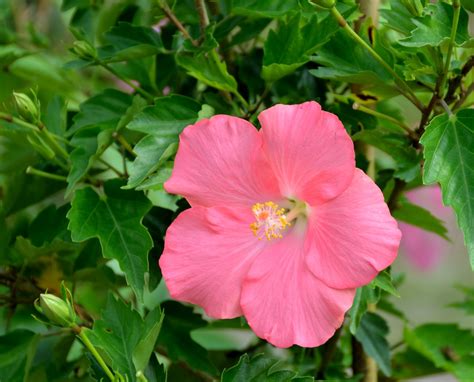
415, 7
328, 4
28, 109
84, 50
58, 311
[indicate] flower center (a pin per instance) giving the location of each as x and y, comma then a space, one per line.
271, 220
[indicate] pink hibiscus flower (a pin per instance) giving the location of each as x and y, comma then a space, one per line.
282, 228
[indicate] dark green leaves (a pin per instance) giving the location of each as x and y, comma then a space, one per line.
371, 334
449, 156
17, 350
115, 219
125, 337
434, 28
260, 368
175, 336
263, 8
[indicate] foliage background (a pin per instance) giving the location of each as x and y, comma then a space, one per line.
81, 196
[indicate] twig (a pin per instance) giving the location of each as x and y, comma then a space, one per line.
463, 97
169, 13
33, 171
203, 17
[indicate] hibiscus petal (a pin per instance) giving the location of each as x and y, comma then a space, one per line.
220, 162
309, 150
207, 254
352, 237
285, 304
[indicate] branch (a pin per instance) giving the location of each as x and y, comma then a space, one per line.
169, 13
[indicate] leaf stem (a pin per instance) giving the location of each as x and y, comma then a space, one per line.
404, 89
120, 138
33, 171
454, 29
203, 17
109, 166
88, 344
138, 89
169, 13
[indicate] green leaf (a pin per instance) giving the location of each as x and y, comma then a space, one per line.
291, 45
434, 27
468, 304
446, 345
17, 350
371, 334
398, 146
49, 224
209, 69
115, 219
127, 340
419, 217
384, 281
448, 151
168, 117
397, 17
364, 295
163, 122
263, 8
344, 60
175, 336
260, 368
103, 110
128, 42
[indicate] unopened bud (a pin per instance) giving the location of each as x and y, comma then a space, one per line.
415, 7
84, 50
28, 109
58, 311
328, 4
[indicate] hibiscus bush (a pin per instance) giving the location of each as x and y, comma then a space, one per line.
209, 190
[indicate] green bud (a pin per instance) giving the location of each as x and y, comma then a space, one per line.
468, 4
328, 4
58, 311
415, 7
84, 50
28, 109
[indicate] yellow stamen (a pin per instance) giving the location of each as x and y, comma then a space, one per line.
270, 222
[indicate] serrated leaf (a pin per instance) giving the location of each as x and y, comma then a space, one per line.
397, 17
468, 304
129, 42
446, 345
449, 156
175, 335
17, 350
209, 69
127, 340
419, 217
371, 334
434, 27
291, 44
115, 219
260, 368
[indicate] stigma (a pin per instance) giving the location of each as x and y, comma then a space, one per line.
270, 221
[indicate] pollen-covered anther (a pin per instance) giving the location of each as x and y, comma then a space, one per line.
270, 221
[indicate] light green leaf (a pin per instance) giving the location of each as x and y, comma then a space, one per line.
446, 345
449, 156
17, 350
434, 27
384, 281
419, 217
115, 219
371, 334
209, 69
260, 368
125, 337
